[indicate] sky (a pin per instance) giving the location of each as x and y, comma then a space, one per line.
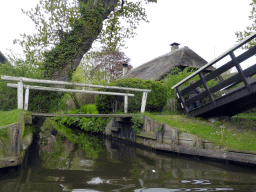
205, 26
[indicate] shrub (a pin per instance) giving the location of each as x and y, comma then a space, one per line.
95, 124
137, 124
89, 109
156, 99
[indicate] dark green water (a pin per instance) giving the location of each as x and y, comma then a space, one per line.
85, 163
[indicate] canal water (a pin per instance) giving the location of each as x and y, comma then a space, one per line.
78, 162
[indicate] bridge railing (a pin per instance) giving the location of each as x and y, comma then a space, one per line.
241, 76
21, 80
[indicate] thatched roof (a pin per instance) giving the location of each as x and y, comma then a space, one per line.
159, 67
2, 58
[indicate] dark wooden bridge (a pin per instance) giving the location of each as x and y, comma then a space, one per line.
233, 100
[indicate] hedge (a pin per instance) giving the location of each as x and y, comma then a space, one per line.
156, 99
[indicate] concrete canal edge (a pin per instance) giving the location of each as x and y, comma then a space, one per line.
13, 148
168, 138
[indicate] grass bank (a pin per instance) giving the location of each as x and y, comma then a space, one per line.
9, 117
236, 133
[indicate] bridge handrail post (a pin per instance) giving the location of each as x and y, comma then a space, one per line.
126, 103
144, 101
26, 99
183, 105
206, 87
240, 71
20, 95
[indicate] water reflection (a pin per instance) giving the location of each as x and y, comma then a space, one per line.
80, 162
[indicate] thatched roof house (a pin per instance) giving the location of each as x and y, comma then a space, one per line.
159, 67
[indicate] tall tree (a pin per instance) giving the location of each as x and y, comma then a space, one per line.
249, 29
67, 29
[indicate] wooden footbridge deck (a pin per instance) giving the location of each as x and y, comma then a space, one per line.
232, 101
84, 115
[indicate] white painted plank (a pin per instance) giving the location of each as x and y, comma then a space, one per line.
68, 90
28, 80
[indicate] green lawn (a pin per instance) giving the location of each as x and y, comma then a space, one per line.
9, 117
236, 133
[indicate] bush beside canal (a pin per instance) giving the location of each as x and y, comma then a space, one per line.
95, 124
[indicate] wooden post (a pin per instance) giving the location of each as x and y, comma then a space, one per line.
182, 99
207, 88
144, 102
20, 95
26, 99
125, 103
240, 71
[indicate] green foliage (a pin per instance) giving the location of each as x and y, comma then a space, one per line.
159, 129
29, 129
45, 101
217, 123
175, 77
19, 68
89, 109
51, 18
137, 123
249, 29
95, 124
121, 24
156, 99
4, 134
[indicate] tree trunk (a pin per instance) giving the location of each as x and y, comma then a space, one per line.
65, 73
73, 96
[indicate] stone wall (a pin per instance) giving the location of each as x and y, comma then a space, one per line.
13, 147
168, 138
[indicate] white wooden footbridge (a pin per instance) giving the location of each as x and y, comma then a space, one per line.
20, 86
